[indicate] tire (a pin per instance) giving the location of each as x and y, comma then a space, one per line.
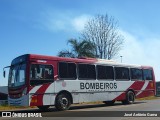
109, 102
130, 98
63, 102
43, 108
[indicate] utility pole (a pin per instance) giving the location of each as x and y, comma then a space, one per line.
121, 58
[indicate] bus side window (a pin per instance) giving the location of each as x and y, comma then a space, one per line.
122, 73
105, 72
136, 74
72, 71
67, 70
147, 74
91, 71
62, 70
48, 72
86, 71
82, 71
41, 72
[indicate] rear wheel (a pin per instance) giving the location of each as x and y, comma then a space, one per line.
130, 98
43, 108
63, 102
109, 102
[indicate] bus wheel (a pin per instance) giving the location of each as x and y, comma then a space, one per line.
109, 102
43, 108
63, 102
130, 98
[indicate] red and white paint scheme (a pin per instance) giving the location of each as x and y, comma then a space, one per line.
43, 81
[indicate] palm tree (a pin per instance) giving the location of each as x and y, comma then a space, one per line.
79, 49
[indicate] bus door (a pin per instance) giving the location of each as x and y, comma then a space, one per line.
41, 84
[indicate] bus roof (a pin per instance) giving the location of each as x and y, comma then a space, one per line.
83, 60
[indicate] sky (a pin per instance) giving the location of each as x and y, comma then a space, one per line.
44, 26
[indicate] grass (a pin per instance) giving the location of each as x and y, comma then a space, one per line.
7, 107
148, 98
96, 102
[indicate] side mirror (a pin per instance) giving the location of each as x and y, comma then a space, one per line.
4, 74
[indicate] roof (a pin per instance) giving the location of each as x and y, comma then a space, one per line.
82, 60
44, 57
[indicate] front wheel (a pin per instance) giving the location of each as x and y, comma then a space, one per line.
130, 98
63, 102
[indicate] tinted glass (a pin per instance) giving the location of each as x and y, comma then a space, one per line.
72, 70
147, 74
122, 73
136, 74
67, 70
63, 70
105, 72
91, 72
86, 71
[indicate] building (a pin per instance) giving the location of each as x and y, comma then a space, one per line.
158, 88
3, 94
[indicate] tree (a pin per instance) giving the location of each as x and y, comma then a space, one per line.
79, 49
103, 33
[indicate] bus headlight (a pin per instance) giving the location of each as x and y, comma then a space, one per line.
24, 92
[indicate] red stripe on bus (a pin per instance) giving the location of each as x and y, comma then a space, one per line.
136, 86
38, 97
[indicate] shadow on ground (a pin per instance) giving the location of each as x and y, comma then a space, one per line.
73, 107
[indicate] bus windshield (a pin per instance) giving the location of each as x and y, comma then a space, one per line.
17, 75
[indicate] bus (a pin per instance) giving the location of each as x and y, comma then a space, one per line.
44, 81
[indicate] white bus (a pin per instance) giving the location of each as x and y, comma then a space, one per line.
43, 81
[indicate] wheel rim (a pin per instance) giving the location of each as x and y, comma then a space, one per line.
131, 97
64, 102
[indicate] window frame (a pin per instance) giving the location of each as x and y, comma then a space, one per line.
41, 81
131, 74
129, 77
105, 66
60, 78
151, 74
87, 71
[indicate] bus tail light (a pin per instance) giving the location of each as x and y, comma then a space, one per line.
152, 85
34, 99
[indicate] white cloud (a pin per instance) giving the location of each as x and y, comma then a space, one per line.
58, 21
80, 21
143, 52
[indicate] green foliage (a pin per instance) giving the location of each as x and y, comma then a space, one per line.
79, 49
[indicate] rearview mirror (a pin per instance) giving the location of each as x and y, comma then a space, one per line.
4, 74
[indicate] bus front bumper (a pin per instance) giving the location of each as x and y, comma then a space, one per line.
23, 101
